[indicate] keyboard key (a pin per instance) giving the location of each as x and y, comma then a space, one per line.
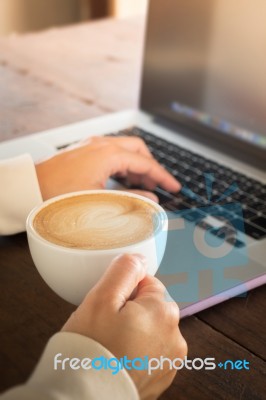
204, 225
254, 232
182, 206
191, 202
245, 186
198, 190
216, 199
163, 196
256, 204
260, 221
189, 168
240, 196
235, 242
194, 216
229, 236
194, 175
260, 196
224, 232
221, 214
248, 214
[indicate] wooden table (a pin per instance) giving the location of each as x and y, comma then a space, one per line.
61, 76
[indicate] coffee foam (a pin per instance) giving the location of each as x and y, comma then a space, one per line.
97, 221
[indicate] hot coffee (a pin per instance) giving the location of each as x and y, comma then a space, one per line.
97, 221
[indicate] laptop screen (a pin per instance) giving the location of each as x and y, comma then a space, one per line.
205, 65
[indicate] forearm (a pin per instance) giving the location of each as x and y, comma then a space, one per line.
19, 193
47, 383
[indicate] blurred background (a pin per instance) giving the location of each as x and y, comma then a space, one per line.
19, 16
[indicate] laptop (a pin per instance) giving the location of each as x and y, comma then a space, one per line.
202, 115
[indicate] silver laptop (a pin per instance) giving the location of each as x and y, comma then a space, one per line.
202, 115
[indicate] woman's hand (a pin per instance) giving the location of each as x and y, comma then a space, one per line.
139, 325
91, 163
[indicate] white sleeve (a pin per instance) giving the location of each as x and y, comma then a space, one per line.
19, 193
46, 383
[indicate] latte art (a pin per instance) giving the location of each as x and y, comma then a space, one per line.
97, 221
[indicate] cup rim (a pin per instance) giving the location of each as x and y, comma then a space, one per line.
32, 232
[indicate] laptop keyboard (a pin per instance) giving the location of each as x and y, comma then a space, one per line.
189, 168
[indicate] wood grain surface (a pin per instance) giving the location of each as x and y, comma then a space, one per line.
61, 76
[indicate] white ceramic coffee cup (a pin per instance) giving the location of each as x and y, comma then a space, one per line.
71, 273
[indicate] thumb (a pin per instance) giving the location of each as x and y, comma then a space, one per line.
120, 279
150, 288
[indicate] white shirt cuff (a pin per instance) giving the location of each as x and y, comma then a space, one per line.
20, 193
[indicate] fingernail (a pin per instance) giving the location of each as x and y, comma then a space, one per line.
178, 187
178, 183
